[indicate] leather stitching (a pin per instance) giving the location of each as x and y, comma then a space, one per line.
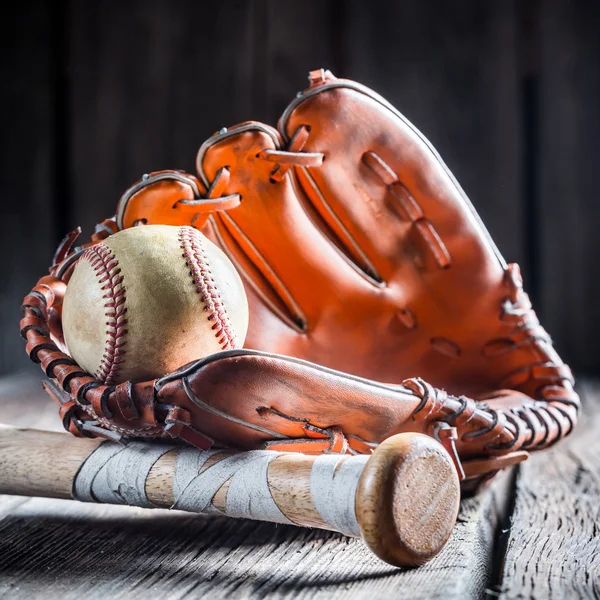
106, 266
409, 207
197, 261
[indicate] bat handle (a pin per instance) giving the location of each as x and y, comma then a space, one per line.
407, 499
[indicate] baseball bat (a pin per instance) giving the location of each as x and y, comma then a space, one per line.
402, 500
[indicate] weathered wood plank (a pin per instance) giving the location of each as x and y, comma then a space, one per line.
569, 148
553, 549
52, 547
70, 549
299, 37
23, 403
147, 89
150, 81
28, 141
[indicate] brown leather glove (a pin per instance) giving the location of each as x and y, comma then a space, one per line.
250, 399
359, 252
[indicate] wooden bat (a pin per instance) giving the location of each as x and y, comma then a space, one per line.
402, 500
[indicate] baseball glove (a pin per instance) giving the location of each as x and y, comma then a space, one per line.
359, 252
249, 399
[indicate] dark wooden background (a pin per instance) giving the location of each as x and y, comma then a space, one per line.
96, 93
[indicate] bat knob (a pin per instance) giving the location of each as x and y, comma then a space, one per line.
407, 499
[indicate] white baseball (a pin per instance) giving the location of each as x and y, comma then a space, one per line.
150, 299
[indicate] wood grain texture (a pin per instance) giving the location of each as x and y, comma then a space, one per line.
40, 463
553, 547
299, 37
23, 402
150, 82
63, 548
408, 499
96, 95
405, 498
51, 548
569, 162
28, 173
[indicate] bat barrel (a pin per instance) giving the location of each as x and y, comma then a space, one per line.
408, 499
402, 500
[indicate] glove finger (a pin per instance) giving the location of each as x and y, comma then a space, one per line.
166, 197
382, 175
468, 325
292, 272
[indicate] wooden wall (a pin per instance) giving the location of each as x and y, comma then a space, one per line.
95, 94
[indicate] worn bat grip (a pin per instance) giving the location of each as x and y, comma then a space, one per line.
406, 493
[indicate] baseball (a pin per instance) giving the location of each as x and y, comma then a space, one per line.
150, 299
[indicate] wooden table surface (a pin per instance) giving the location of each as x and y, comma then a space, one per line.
535, 533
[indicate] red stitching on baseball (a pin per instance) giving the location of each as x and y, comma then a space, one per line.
197, 261
107, 269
